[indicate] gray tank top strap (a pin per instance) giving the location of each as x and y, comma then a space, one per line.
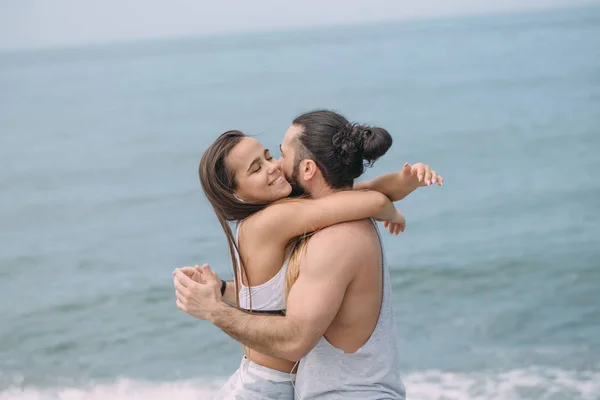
371, 373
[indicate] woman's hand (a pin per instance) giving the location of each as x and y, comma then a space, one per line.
423, 173
396, 225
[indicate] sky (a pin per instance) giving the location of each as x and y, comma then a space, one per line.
48, 23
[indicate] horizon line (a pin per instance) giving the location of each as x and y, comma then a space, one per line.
462, 15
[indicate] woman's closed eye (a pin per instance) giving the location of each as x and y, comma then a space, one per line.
269, 158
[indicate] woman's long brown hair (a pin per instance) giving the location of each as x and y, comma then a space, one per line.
298, 249
218, 183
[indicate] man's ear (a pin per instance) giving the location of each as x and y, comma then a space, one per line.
308, 169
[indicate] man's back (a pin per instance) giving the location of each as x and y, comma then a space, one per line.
358, 355
359, 311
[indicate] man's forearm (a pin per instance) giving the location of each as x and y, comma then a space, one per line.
394, 185
268, 334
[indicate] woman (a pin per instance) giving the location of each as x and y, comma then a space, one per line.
245, 184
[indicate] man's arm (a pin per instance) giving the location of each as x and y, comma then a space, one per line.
312, 304
398, 185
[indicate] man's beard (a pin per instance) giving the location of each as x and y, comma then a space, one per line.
297, 189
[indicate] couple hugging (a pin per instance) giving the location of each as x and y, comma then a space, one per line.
311, 298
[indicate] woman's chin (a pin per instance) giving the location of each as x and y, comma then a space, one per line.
284, 192
287, 190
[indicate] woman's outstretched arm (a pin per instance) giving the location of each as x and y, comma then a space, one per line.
398, 185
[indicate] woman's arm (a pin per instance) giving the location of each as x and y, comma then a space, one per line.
289, 218
398, 185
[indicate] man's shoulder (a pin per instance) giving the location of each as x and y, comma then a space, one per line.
349, 235
345, 228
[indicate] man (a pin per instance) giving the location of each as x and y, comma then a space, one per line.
339, 319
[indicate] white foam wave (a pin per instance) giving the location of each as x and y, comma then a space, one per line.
519, 384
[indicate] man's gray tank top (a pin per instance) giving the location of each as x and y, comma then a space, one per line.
371, 373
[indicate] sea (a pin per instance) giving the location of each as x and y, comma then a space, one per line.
496, 280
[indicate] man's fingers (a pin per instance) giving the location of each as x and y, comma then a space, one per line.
179, 286
185, 280
182, 282
216, 276
209, 274
189, 271
205, 268
198, 274
199, 268
180, 297
181, 306
184, 269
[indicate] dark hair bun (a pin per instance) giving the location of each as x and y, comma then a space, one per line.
359, 143
374, 141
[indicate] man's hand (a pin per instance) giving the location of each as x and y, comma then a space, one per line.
198, 298
194, 273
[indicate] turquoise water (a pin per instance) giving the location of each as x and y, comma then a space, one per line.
496, 279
